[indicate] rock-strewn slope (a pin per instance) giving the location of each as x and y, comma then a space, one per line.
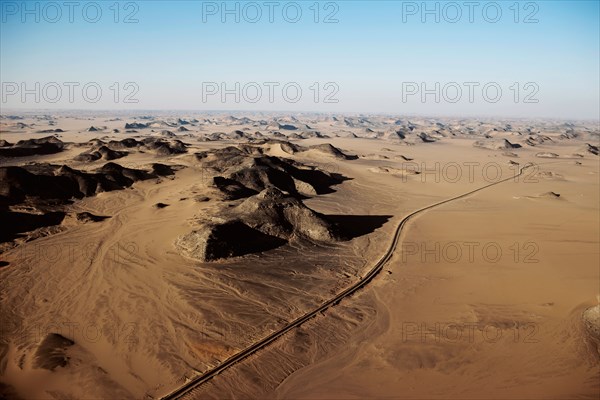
243, 171
261, 222
34, 196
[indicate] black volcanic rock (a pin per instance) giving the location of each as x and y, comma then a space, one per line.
232, 189
230, 239
89, 217
163, 147
274, 213
288, 147
425, 138
103, 152
47, 188
136, 125
51, 131
162, 169
53, 182
288, 127
88, 156
17, 182
496, 145
309, 134
157, 145
244, 170
52, 352
108, 154
261, 173
534, 139
32, 147
262, 222
397, 134
509, 145
124, 144
16, 223
117, 172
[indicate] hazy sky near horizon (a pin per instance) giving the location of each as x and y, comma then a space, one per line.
505, 58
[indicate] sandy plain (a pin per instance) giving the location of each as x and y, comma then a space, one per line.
483, 300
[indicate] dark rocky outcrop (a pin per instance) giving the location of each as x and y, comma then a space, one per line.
136, 125
277, 214
52, 352
103, 153
244, 171
590, 148
231, 188
229, 239
163, 147
162, 169
54, 182
58, 130
46, 188
89, 217
32, 147
496, 145
262, 222
17, 223
425, 138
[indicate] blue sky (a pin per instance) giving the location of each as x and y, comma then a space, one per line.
377, 58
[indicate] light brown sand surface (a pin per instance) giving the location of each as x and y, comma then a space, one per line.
499, 319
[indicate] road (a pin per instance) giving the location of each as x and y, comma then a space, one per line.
206, 376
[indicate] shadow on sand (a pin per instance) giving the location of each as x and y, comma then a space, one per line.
352, 226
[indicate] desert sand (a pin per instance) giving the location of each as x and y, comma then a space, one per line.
142, 250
